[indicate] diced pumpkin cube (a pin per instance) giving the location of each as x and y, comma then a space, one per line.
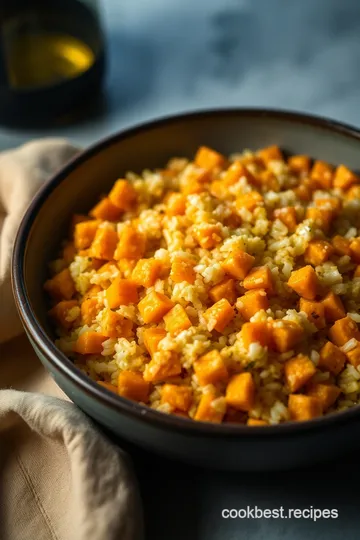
317, 252
218, 189
285, 335
341, 245
240, 392
357, 271
299, 164
89, 343
331, 358
287, 216
298, 371
344, 178
121, 292
176, 204
115, 325
66, 313
131, 244
250, 201
77, 218
146, 272
194, 182
206, 158
315, 312
126, 267
69, 252
219, 315
108, 386
256, 422
104, 244
210, 368
354, 355
131, 385
304, 190
327, 394
352, 193
92, 291
61, 286
154, 306
182, 269
178, 397
255, 332
89, 310
236, 171
238, 264
343, 330
176, 320
85, 232
303, 408
206, 411
322, 175
106, 211
152, 338
207, 236
251, 302
225, 289
259, 277
355, 250
269, 181
322, 217
304, 282
271, 153
329, 203
162, 366
333, 306
123, 195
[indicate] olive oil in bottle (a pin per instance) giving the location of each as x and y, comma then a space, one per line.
51, 58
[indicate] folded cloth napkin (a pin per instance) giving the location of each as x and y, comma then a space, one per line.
59, 478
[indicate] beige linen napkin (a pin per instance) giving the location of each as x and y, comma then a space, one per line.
59, 478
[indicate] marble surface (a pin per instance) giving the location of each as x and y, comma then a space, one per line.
168, 56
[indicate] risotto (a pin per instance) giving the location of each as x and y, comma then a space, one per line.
223, 289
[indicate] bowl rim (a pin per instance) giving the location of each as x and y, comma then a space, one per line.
86, 385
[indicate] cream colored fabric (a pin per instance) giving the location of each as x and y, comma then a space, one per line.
59, 478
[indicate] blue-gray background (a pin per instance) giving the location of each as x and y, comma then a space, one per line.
167, 56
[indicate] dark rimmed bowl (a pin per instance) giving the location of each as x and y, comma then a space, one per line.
76, 188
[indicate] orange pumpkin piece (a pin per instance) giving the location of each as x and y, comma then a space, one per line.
106, 211
206, 412
206, 158
85, 232
194, 182
175, 205
352, 193
182, 269
343, 330
251, 302
115, 325
304, 282
89, 343
69, 252
238, 264
93, 291
259, 277
317, 252
77, 218
322, 175
207, 236
176, 320
89, 310
271, 153
108, 386
341, 245
298, 371
255, 332
240, 392
236, 171
131, 385
154, 306
121, 292
285, 335
331, 358
123, 195
315, 312
219, 315
357, 272
333, 306
250, 201
344, 178
126, 267
287, 216
256, 422
354, 355
329, 203
162, 366
355, 250
146, 272
327, 394
322, 217
131, 244
303, 408
61, 286
210, 368
224, 289
299, 164
269, 181
218, 189
304, 190
104, 244
64, 313
178, 397
152, 338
